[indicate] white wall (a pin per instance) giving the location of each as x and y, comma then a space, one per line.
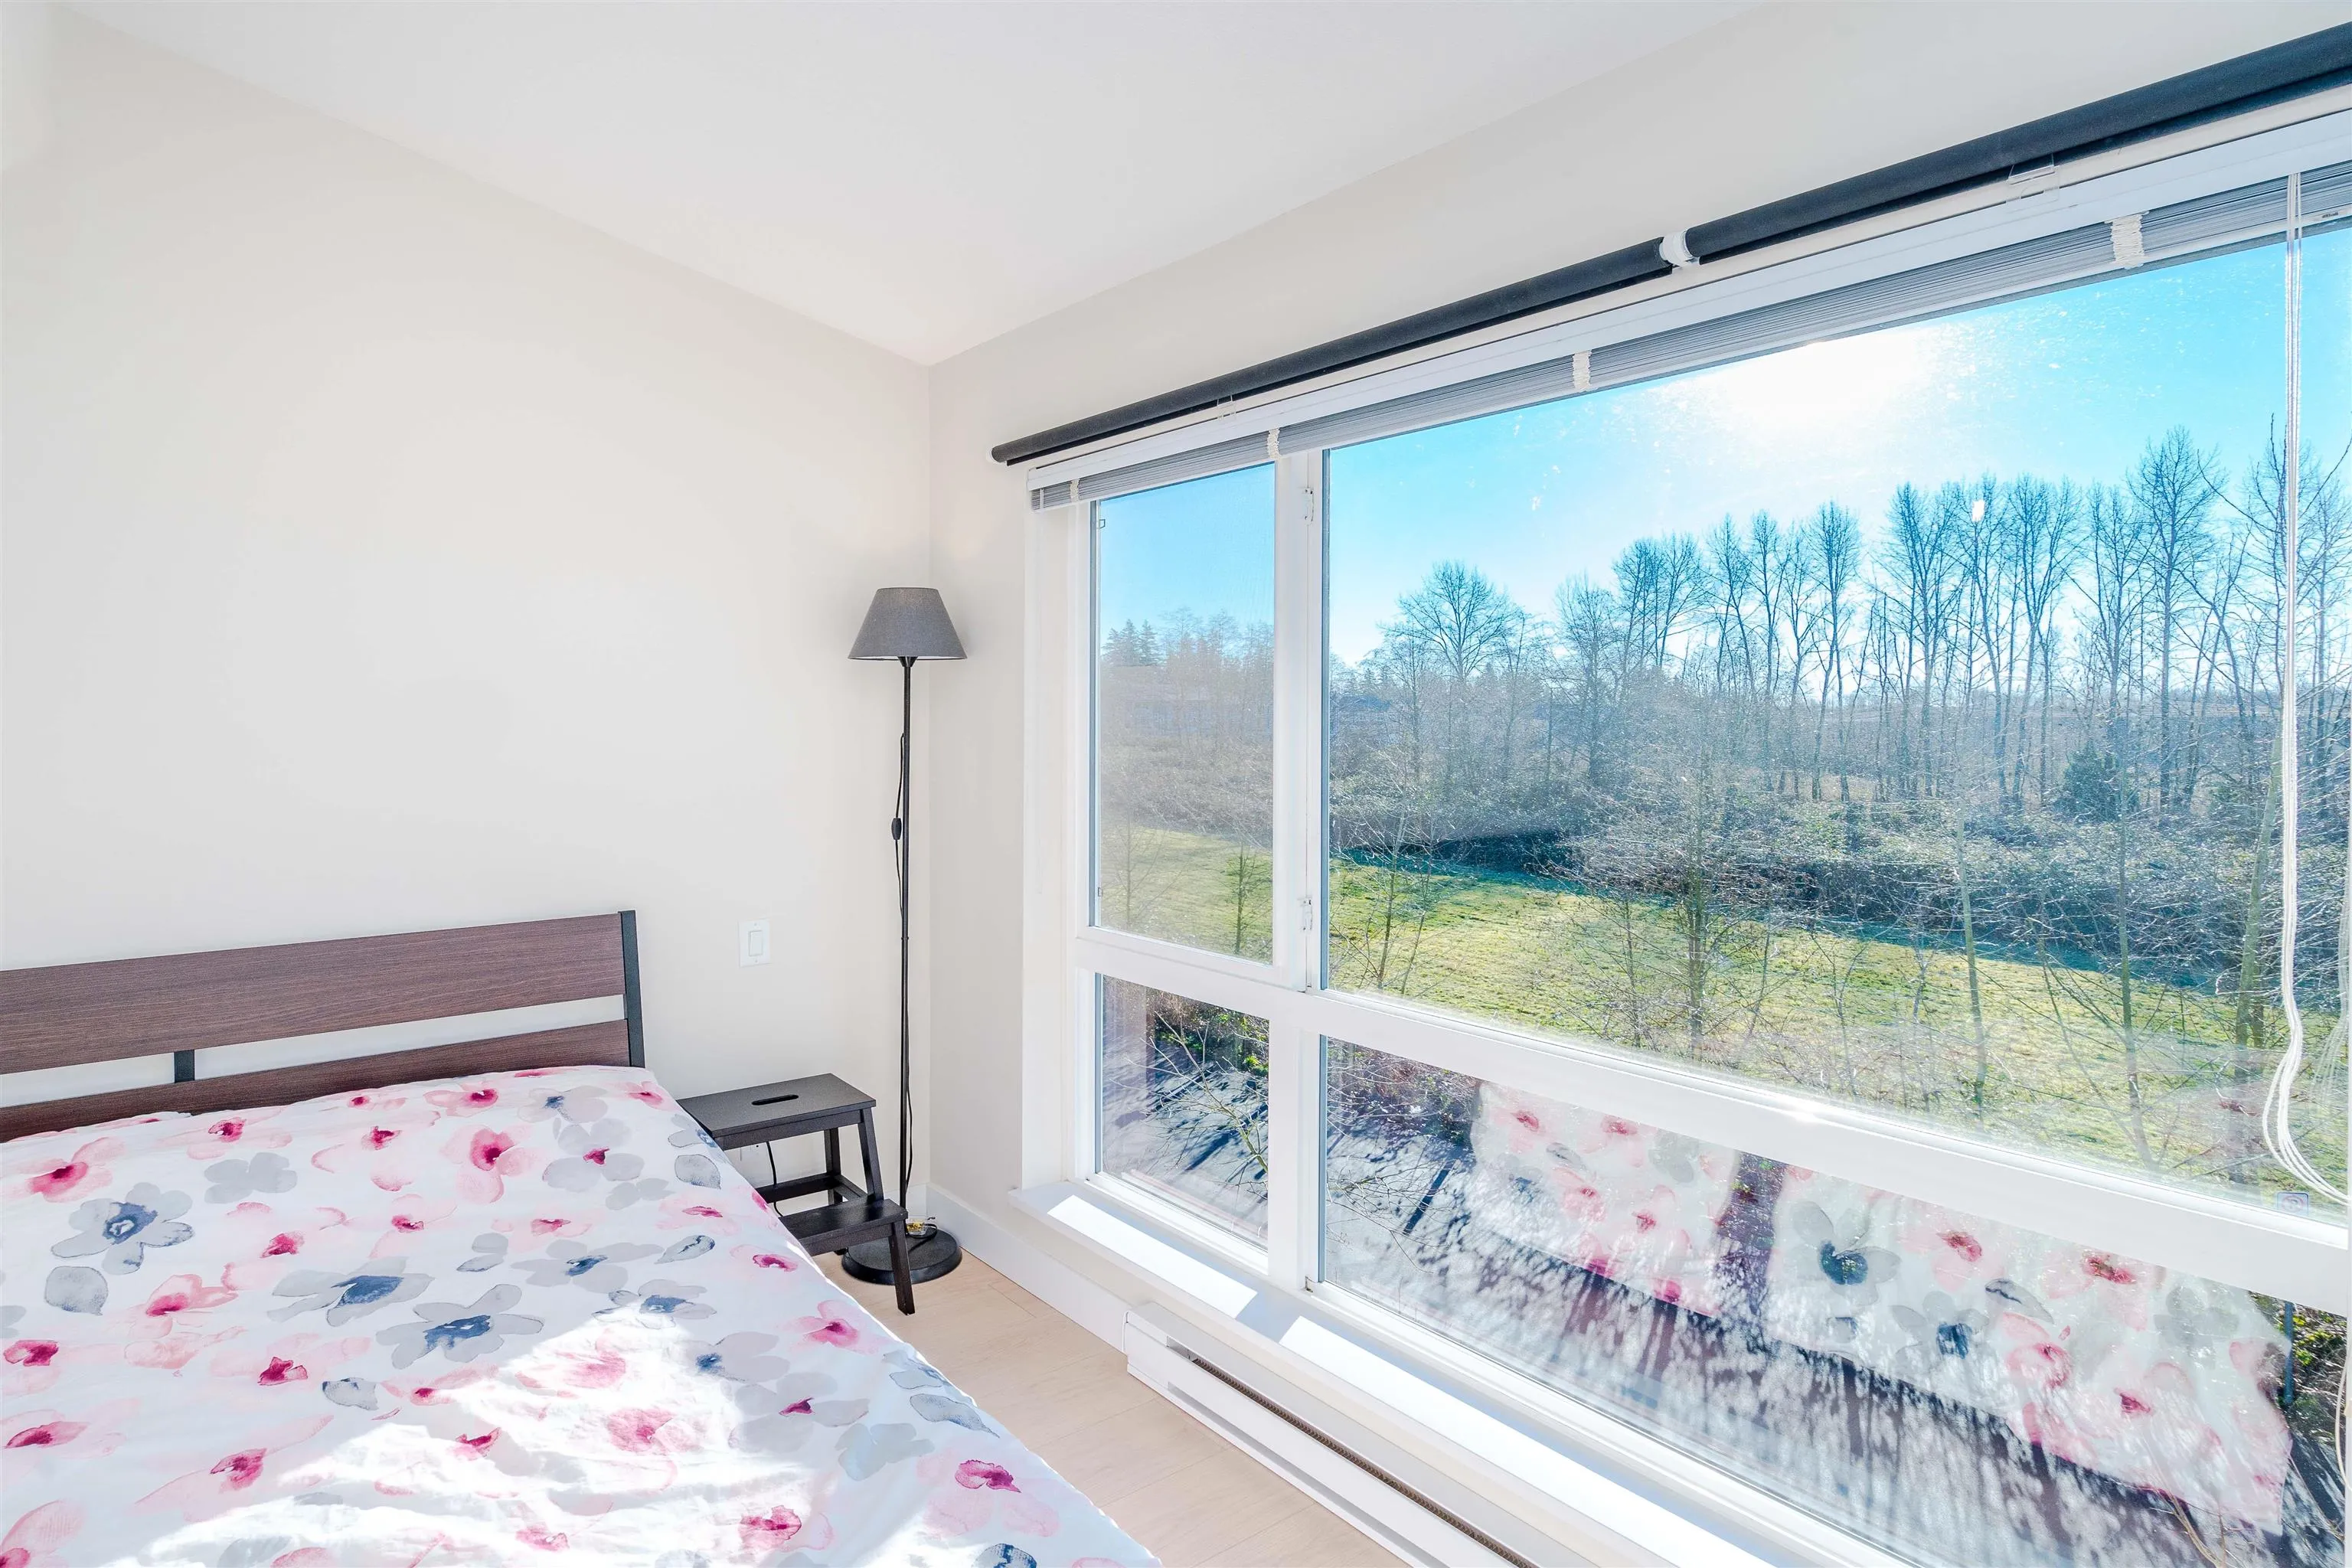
1773, 102
383, 552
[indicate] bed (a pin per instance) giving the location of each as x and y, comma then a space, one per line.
477, 1302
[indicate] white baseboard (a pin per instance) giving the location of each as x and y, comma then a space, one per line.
1101, 1313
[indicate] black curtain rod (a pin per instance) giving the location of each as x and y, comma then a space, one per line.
1580, 281
2299, 66
2308, 64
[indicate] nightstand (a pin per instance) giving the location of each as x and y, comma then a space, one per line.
795, 1108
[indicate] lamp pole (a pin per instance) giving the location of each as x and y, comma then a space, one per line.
902, 832
906, 625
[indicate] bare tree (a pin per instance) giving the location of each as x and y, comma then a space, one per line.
2172, 490
1835, 546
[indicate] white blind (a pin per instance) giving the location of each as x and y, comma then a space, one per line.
2165, 233
1246, 452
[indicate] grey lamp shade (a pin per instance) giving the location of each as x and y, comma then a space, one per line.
907, 623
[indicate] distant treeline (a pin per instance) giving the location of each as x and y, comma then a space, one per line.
2066, 693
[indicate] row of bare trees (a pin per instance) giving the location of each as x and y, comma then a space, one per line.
1990, 632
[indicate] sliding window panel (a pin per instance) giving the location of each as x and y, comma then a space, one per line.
1182, 1106
1950, 1389
1183, 692
1891, 717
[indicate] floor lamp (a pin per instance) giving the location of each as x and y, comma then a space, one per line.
906, 625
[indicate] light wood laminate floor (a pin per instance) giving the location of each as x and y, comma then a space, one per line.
1187, 1494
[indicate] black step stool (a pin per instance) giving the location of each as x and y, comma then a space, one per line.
738, 1118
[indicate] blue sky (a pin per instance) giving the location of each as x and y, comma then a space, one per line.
2067, 384
1206, 546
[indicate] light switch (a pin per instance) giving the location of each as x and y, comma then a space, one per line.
751, 943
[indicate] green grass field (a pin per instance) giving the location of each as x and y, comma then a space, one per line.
1837, 1013
1187, 887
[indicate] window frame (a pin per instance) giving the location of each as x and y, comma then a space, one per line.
2267, 1250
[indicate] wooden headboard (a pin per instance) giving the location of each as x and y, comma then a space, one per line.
77, 1014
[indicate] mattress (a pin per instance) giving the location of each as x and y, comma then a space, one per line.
474, 1320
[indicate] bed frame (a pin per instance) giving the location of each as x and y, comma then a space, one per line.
75, 1013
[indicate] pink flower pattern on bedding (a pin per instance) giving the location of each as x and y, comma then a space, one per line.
2153, 1377
481, 1320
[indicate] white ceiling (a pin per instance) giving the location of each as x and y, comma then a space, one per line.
925, 177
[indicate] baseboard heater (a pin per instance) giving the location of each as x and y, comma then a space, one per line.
1309, 1446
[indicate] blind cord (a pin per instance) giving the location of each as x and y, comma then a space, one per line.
2278, 1102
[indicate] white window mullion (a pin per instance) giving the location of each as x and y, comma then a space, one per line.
1290, 1176
1221, 981
1297, 710
1292, 1107
1084, 1075
1079, 889
1075, 895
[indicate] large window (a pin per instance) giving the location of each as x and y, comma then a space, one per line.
1770, 863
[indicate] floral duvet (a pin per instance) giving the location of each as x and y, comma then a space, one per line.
476, 1321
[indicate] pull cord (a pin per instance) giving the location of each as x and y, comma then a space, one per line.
2278, 1100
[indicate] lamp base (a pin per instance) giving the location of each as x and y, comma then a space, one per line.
930, 1252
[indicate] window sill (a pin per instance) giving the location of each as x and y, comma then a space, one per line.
1235, 1254
1509, 1435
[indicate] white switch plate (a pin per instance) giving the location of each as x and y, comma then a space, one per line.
751, 943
